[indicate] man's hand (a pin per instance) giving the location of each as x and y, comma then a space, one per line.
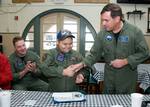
29, 67
32, 66
79, 78
77, 67
69, 71
119, 63
72, 69
24, 71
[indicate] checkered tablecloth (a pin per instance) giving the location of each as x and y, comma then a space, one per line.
143, 74
44, 99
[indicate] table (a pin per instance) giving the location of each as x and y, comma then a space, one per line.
44, 99
143, 74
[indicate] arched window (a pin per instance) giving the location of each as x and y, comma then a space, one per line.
40, 33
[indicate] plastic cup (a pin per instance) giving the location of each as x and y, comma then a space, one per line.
5, 98
136, 99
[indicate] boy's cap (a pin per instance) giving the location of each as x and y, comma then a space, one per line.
63, 34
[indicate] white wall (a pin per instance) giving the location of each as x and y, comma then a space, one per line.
89, 11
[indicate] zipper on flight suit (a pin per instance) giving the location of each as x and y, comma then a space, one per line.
116, 36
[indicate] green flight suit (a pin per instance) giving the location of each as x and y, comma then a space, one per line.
131, 44
31, 80
53, 67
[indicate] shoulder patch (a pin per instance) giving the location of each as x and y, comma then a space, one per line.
108, 38
60, 57
123, 38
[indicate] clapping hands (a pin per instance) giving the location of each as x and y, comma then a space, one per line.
30, 66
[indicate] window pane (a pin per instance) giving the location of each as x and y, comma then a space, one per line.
89, 37
72, 28
30, 36
29, 44
68, 19
49, 24
49, 41
49, 37
70, 23
74, 46
89, 40
88, 46
49, 28
49, 45
31, 29
29, 41
52, 18
87, 29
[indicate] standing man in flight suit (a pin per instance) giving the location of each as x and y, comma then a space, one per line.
123, 46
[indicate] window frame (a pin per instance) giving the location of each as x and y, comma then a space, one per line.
37, 33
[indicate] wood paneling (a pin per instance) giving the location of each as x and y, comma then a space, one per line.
91, 1
27, 1
7, 44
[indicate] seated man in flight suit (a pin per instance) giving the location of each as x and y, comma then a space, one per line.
25, 67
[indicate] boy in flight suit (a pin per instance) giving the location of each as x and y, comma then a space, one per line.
58, 65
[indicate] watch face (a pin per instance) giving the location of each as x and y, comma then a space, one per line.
145, 103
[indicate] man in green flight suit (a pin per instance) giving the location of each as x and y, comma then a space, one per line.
24, 64
123, 47
58, 65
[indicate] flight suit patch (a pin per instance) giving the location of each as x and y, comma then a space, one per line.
60, 57
109, 38
123, 39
